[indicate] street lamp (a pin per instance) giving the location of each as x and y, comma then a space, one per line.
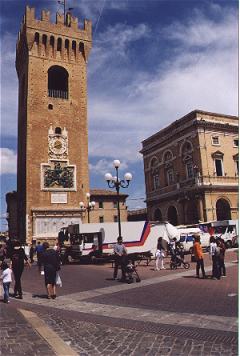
117, 183
90, 206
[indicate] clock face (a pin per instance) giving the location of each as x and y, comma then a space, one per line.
58, 145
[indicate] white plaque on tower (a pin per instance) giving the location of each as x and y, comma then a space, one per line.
59, 198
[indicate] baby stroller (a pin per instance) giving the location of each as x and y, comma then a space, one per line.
177, 260
131, 273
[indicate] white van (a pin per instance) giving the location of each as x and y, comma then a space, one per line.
227, 230
187, 238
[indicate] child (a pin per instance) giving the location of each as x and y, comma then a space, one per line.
6, 277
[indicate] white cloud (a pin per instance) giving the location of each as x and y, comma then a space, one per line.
130, 104
104, 166
8, 161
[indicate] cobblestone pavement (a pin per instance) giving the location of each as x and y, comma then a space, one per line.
17, 337
170, 313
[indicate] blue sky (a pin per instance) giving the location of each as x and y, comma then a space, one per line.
151, 63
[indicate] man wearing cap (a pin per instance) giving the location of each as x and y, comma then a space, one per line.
120, 252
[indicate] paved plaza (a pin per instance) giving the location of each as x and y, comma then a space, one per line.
169, 312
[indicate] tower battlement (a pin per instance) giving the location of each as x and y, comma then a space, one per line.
71, 23
60, 40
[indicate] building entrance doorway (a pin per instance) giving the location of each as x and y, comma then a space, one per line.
157, 215
172, 215
223, 210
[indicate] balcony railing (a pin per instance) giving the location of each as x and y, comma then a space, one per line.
53, 93
215, 180
194, 183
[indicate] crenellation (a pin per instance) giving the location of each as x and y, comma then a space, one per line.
59, 19
45, 15
88, 27
29, 14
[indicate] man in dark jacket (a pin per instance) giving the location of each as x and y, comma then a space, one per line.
18, 257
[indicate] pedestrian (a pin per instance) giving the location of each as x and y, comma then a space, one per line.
214, 253
57, 246
160, 254
39, 251
120, 252
3, 252
32, 252
51, 263
6, 277
18, 257
221, 258
197, 250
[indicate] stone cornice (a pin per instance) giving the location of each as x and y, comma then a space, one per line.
191, 119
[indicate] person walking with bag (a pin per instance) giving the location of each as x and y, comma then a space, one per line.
160, 254
51, 263
198, 253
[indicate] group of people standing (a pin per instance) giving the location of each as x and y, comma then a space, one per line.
15, 260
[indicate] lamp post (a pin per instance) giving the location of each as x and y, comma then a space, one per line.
117, 183
90, 206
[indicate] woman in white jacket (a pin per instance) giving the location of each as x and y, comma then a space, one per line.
160, 254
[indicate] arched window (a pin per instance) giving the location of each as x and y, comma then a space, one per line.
223, 210
58, 130
36, 38
52, 41
52, 45
81, 47
158, 215
74, 47
186, 148
168, 156
44, 40
59, 44
168, 167
57, 82
154, 174
172, 215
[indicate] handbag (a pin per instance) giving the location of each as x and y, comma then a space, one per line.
58, 280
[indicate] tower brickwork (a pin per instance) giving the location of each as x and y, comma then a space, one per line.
53, 176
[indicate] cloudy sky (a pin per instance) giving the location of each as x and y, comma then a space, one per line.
152, 62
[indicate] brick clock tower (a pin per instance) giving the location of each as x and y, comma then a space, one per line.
53, 177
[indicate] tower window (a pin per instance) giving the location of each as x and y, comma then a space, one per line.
50, 106
58, 82
58, 130
74, 47
52, 41
67, 44
44, 40
59, 44
81, 47
36, 38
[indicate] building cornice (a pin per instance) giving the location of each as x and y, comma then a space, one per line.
192, 119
